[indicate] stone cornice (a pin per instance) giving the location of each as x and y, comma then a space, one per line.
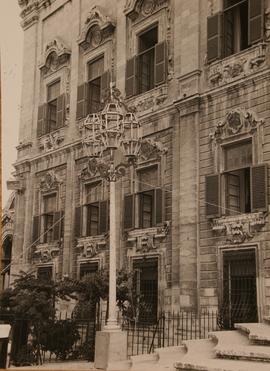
30, 11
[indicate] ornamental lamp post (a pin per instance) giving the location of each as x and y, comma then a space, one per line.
115, 128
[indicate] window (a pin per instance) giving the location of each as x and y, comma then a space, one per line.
45, 273
145, 208
239, 26
88, 269
53, 93
241, 187
148, 68
5, 262
95, 71
49, 207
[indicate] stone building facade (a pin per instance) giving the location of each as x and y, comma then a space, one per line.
197, 73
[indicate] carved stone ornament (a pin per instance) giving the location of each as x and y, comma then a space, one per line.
97, 28
102, 168
30, 10
151, 149
45, 253
146, 240
238, 229
50, 141
236, 121
150, 101
135, 9
56, 54
50, 182
91, 246
267, 24
235, 67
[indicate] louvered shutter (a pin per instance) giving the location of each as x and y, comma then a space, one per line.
212, 196
161, 63
60, 111
36, 229
82, 101
42, 118
259, 196
78, 221
103, 217
214, 37
105, 84
255, 21
129, 211
158, 206
131, 79
57, 225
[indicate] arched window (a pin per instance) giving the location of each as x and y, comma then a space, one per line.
5, 262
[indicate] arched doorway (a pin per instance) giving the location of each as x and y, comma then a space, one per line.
5, 262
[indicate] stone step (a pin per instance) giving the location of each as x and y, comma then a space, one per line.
190, 364
244, 352
143, 360
227, 338
168, 353
202, 348
259, 333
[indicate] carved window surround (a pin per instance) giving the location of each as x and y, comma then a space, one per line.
237, 66
149, 101
45, 252
148, 239
51, 141
98, 28
55, 56
90, 247
138, 10
50, 182
240, 228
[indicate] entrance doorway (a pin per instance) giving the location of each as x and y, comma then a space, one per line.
239, 288
147, 288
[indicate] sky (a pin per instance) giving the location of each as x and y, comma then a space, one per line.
11, 45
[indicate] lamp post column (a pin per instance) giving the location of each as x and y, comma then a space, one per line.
112, 320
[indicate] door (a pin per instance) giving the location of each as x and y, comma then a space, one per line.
239, 288
147, 289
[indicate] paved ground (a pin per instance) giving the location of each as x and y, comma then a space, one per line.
59, 366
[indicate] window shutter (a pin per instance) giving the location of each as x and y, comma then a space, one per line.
82, 97
36, 229
57, 224
158, 206
78, 221
214, 37
131, 82
103, 217
161, 63
255, 21
212, 195
41, 123
259, 196
60, 114
129, 211
105, 84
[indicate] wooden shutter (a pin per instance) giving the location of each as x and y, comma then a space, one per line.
212, 196
161, 63
103, 217
158, 206
82, 101
60, 111
259, 196
36, 229
214, 37
105, 84
131, 78
255, 21
57, 224
78, 221
42, 120
129, 217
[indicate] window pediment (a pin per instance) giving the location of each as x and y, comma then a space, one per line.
135, 9
97, 28
55, 55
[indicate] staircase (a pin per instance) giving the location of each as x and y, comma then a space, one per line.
245, 349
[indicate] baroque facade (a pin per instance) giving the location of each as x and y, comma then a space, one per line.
193, 215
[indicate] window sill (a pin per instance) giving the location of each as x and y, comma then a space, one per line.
150, 100
238, 228
91, 246
51, 141
46, 252
236, 66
